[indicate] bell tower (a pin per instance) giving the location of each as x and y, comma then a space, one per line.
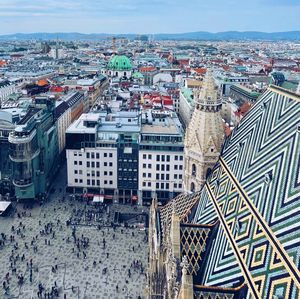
204, 135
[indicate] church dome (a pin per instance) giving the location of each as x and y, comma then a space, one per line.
120, 63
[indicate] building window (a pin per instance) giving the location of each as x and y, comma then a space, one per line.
80, 181
176, 158
87, 155
167, 186
180, 167
105, 172
97, 164
163, 167
93, 155
75, 171
149, 184
149, 175
110, 182
144, 184
150, 166
93, 182
76, 180
97, 156
194, 170
157, 157
110, 173
192, 187
167, 177
105, 182
105, 163
75, 163
98, 182
162, 176
144, 165
97, 173
88, 182
181, 158
162, 186
168, 158
157, 176
110, 155
163, 158
110, 164
149, 156
80, 171
105, 155
157, 185
75, 154
168, 167
80, 162
157, 166
144, 156
144, 174
93, 164
88, 164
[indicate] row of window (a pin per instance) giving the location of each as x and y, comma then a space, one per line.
162, 186
93, 182
162, 176
93, 164
163, 158
94, 173
97, 155
125, 160
162, 167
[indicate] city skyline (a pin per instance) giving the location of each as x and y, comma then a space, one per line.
158, 16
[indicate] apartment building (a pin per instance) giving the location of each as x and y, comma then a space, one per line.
102, 155
161, 160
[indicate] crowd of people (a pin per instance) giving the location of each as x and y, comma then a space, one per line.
25, 269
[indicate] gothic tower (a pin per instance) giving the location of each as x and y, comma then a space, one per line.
204, 135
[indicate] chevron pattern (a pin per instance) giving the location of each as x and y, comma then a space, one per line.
254, 190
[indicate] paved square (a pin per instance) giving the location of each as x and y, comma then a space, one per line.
71, 260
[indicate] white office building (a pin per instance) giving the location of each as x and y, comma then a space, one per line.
161, 160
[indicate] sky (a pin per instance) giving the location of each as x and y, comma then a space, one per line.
148, 16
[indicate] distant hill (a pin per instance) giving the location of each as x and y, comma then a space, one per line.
200, 35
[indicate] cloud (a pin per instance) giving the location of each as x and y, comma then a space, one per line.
120, 16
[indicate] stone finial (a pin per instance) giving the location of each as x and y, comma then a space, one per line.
185, 265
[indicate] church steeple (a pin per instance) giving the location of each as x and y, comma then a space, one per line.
207, 97
204, 135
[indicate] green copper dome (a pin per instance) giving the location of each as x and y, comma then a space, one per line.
120, 63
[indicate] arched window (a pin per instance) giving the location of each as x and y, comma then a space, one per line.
192, 187
194, 170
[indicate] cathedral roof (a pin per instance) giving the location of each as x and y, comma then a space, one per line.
254, 190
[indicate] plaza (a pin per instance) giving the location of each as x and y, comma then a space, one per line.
43, 255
